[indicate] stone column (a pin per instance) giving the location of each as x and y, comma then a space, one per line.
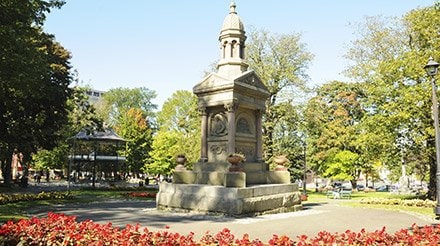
231, 108
204, 134
259, 128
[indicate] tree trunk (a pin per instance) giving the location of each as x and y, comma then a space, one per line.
7, 175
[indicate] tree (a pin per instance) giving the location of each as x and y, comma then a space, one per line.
34, 79
333, 118
343, 166
81, 116
290, 137
134, 127
388, 57
179, 133
281, 62
131, 112
116, 102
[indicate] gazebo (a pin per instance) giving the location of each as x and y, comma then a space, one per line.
90, 145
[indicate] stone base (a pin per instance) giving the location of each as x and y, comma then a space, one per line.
212, 173
254, 200
278, 177
235, 179
184, 177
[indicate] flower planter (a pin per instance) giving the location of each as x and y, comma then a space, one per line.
235, 160
304, 197
280, 160
180, 160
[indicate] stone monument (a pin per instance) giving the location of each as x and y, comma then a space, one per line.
231, 103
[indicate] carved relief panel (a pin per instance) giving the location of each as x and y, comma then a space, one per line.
218, 124
217, 151
245, 124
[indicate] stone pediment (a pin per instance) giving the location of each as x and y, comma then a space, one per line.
212, 82
250, 78
216, 82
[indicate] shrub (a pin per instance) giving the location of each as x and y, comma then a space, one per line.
9, 198
402, 202
141, 194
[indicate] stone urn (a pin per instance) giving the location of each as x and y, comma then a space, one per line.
280, 162
235, 160
180, 160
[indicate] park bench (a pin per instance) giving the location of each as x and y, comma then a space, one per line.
345, 193
339, 194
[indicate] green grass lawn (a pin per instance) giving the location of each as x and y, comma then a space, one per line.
318, 197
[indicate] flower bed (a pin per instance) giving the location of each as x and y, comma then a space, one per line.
144, 194
9, 198
59, 229
402, 202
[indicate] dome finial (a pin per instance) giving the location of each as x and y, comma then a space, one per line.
232, 7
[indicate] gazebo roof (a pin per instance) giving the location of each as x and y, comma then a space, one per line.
107, 135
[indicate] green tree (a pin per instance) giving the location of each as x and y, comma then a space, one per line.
131, 112
343, 166
179, 133
134, 126
81, 116
34, 78
290, 137
281, 62
333, 118
116, 102
388, 58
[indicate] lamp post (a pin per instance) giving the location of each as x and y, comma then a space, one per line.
431, 69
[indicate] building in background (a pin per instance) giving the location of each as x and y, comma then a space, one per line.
95, 96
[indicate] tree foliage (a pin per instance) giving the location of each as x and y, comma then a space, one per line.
134, 127
388, 58
116, 102
179, 133
290, 137
333, 118
131, 113
81, 116
281, 62
34, 78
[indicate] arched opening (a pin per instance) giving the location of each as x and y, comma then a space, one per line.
224, 49
233, 43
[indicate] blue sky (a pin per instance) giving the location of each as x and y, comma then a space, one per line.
165, 45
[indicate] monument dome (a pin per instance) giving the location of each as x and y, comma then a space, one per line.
232, 21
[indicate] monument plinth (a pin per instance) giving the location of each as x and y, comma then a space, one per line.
231, 103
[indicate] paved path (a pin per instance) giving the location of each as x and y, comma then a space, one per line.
330, 216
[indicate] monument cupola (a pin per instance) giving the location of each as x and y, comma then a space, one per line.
232, 44
231, 101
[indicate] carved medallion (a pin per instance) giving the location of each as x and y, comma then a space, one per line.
219, 125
